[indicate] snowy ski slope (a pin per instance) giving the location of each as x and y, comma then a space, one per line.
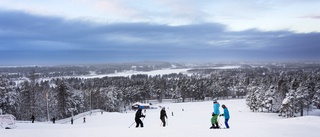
194, 121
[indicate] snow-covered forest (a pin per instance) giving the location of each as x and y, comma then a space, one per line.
287, 89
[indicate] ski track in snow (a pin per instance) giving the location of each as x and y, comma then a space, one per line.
194, 121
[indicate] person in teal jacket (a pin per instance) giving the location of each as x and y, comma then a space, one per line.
214, 121
216, 107
226, 115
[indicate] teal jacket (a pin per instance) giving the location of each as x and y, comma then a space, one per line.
226, 113
216, 107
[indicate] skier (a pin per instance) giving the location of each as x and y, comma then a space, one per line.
32, 118
214, 121
226, 115
138, 116
163, 115
84, 119
53, 120
71, 121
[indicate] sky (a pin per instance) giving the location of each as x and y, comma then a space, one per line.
51, 32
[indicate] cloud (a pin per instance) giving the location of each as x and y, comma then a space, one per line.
116, 9
236, 15
311, 16
38, 39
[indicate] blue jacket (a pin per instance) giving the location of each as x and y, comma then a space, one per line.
216, 107
226, 113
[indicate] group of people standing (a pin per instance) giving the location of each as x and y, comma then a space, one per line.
214, 119
216, 114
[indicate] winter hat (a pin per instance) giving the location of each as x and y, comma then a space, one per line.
223, 106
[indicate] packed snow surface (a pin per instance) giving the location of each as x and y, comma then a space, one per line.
184, 120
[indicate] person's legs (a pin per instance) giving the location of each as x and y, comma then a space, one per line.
163, 122
217, 124
141, 123
137, 122
226, 122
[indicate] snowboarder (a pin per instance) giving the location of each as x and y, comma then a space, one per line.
163, 116
138, 116
216, 107
53, 120
71, 121
214, 121
84, 119
32, 118
226, 115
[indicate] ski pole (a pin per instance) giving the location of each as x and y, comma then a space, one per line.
219, 121
132, 124
167, 122
143, 119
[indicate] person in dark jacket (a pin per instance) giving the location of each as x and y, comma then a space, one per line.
138, 116
71, 121
32, 118
53, 120
163, 115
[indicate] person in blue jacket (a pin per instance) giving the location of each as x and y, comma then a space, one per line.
216, 111
226, 115
216, 107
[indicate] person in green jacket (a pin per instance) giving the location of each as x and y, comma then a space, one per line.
214, 121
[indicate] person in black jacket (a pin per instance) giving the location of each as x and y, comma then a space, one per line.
138, 116
32, 118
163, 115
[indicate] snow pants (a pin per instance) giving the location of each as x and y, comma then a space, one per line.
138, 122
226, 122
163, 121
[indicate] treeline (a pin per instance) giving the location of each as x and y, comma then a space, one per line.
61, 97
285, 91
77, 70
